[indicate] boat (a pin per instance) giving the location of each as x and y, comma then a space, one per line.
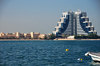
95, 56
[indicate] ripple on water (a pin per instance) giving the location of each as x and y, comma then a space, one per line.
46, 53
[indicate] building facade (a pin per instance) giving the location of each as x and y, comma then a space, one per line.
42, 36
74, 23
18, 35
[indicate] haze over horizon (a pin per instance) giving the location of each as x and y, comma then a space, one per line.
42, 15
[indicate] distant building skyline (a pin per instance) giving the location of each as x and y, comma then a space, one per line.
74, 23
18, 35
42, 15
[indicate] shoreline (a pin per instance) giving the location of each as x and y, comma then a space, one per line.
77, 39
17, 39
43, 39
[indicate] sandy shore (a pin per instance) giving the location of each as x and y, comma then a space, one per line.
74, 39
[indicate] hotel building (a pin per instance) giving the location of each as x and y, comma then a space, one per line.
74, 23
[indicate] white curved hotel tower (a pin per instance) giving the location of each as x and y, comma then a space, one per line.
74, 23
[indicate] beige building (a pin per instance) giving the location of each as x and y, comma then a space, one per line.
34, 35
10, 35
42, 36
17, 35
2, 34
27, 35
31, 35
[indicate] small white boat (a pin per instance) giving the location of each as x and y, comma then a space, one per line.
95, 56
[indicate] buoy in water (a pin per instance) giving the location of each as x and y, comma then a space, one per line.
67, 49
79, 59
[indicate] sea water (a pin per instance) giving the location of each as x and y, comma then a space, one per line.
47, 52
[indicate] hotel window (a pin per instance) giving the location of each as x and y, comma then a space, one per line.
64, 20
55, 29
60, 20
57, 24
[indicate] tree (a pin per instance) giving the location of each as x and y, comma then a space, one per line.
52, 36
92, 36
45, 37
89, 36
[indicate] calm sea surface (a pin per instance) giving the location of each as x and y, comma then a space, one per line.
47, 53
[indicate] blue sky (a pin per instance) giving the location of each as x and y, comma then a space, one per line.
42, 15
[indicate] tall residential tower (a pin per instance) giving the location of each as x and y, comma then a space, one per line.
74, 23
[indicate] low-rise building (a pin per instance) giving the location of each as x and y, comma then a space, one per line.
2, 34
42, 36
10, 35
18, 35
27, 35
36, 35
32, 34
